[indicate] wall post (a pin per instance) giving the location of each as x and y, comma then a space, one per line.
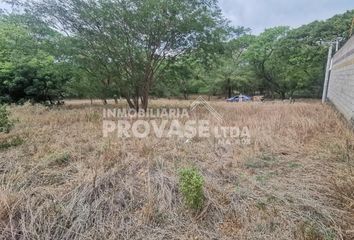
328, 68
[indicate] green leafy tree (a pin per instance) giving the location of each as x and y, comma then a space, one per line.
262, 55
229, 73
129, 42
27, 70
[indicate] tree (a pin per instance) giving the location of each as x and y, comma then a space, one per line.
229, 70
27, 70
289, 61
262, 55
130, 41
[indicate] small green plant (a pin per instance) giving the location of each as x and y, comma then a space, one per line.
13, 142
5, 123
191, 186
58, 159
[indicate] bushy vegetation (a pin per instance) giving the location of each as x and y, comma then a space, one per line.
135, 49
29, 69
5, 122
191, 185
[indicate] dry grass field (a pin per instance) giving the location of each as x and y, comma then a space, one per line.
60, 179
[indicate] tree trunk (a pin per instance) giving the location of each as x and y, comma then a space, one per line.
136, 99
229, 88
130, 103
145, 100
146, 89
282, 95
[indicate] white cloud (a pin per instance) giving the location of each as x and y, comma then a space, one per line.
259, 15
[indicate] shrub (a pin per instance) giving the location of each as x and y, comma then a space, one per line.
191, 186
5, 123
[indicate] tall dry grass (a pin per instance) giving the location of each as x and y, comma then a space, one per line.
65, 181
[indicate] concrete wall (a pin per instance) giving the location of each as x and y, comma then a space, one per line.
341, 83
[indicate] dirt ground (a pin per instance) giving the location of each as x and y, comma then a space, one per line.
60, 179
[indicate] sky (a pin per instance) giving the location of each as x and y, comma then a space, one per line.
261, 14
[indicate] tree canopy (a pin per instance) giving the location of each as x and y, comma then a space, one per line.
28, 71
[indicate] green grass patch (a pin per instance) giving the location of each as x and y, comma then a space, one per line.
262, 161
57, 159
11, 142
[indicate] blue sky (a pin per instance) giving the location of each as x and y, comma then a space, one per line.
261, 14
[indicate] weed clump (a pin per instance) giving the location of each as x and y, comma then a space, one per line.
5, 123
13, 142
191, 186
58, 159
